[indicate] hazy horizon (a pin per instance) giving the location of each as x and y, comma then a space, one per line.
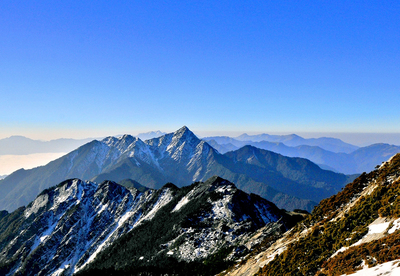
357, 139
11, 163
93, 69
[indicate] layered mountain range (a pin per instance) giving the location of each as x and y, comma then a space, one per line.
354, 231
328, 153
110, 223
88, 228
180, 158
207, 228
293, 140
20, 145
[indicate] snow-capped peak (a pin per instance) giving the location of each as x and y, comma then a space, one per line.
184, 133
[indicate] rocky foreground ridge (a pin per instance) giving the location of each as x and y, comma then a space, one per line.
356, 230
84, 227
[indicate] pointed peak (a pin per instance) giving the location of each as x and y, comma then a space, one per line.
127, 136
122, 140
109, 140
184, 132
242, 136
129, 139
293, 135
248, 149
169, 185
183, 129
129, 183
217, 181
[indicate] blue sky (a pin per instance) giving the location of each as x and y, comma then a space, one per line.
96, 68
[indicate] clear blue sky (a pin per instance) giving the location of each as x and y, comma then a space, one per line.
96, 68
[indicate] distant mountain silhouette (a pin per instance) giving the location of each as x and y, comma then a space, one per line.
150, 135
20, 145
293, 140
360, 160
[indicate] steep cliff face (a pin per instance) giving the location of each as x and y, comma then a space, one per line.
74, 226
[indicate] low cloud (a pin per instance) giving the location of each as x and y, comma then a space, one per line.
11, 163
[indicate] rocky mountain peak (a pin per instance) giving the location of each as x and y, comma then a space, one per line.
128, 138
183, 144
125, 143
185, 134
216, 181
111, 140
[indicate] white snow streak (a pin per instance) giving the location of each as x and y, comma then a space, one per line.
165, 197
395, 227
389, 268
378, 228
181, 203
39, 202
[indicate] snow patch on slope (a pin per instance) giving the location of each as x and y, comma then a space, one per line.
181, 203
376, 230
164, 198
388, 268
220, 208
395, 227
40, 201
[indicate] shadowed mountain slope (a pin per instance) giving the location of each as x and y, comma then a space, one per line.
83, 226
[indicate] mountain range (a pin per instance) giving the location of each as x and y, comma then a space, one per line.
180, 158
328, 153
206, 227
20, 145
107, 229
293, 140
150, 135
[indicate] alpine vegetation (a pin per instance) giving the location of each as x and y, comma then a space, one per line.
357, 229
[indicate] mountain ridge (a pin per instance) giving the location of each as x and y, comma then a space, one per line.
179, 157
360, 160
293, 140
69, 226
